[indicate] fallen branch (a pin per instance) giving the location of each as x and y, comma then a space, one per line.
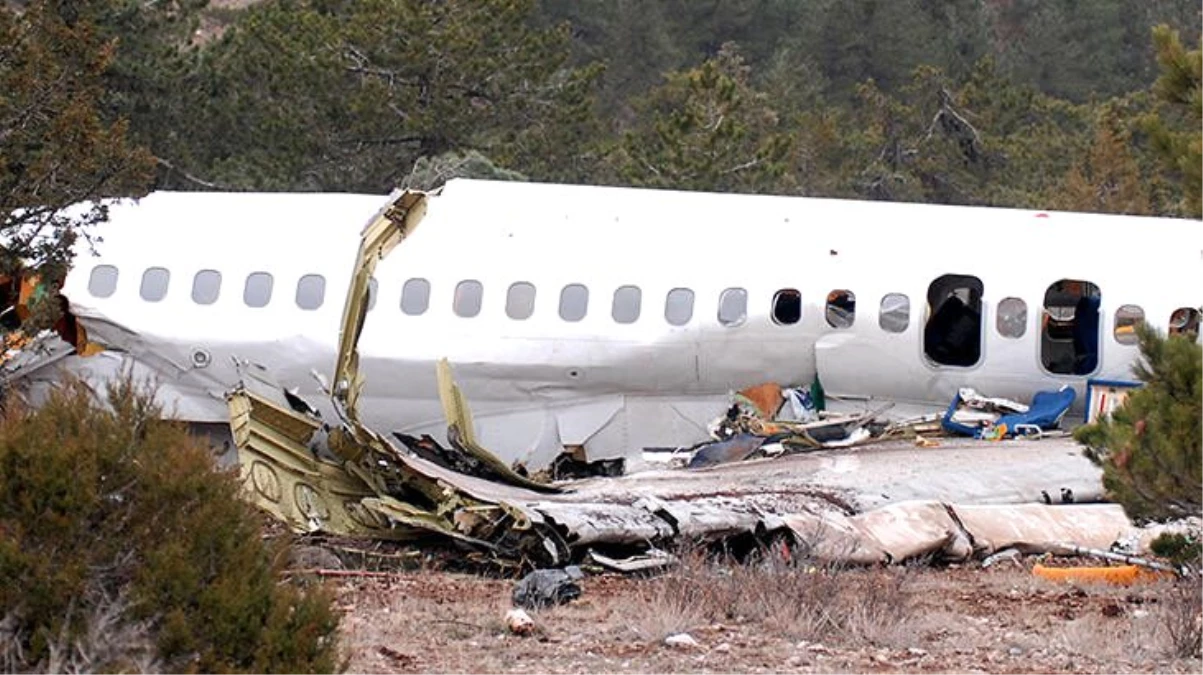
343, 573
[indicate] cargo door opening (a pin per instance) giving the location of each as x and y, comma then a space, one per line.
1069, 333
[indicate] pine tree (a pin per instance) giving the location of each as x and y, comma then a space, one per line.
1108, 179
1150, 447
1175, 126
707, 128
56, 149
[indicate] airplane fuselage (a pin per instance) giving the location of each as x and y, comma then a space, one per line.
619, 318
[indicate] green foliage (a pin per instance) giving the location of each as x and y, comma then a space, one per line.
1175, 125
56, 149
1109, 178
115, 523
982, 141
348, 95
1178, 548
1026, 103
1150, 447
706, 129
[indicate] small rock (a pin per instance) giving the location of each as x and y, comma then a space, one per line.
794, 661
723, 647
1015, 651
818, 648
1139, 613
542, 588
681, 640
519, 622
313, 558
915, 651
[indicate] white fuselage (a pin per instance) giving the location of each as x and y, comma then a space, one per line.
614, 385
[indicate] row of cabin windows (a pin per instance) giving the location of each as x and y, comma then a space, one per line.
952, 332
206, 287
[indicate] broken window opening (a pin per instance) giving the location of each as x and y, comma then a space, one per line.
468, 297
1069, 334
628, 301
952, 335
574, 302
1011, 320
1184, 320
311, 291
787, 307
103, 281
520, 300
895, 313
733, 307
1127, 318
206, 287
154, 284
841, 308
678, 306
415, 296
258, 289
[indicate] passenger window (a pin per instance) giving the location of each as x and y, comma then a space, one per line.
520, 301
468, 295
154, 284
1183, 320
678, 306
733, 307
1126, 319
841, 309
787, 307
1012, 318
894, 315
952, 335
206, 286
574, 302
628, 302
258, 289
415, 296
372, 291
311, 291
103, 281
1069, 334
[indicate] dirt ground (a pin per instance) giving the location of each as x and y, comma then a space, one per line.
746, 618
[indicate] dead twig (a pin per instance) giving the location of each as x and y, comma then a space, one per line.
343, 573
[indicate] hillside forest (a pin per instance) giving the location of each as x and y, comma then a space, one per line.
1087, 105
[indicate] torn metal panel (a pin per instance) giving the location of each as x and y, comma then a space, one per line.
378, 492
393, 223
1034, 528
960, 532
586, 524
461, 433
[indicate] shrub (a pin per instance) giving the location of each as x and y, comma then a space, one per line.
1150, 447
123, 548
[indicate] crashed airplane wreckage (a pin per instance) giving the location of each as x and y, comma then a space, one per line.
545, 377
345, 478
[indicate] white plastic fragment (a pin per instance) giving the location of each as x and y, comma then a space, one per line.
519, 622
681, 640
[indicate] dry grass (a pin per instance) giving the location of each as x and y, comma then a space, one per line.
770, 616
1181, 617
797, 599
110, 640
